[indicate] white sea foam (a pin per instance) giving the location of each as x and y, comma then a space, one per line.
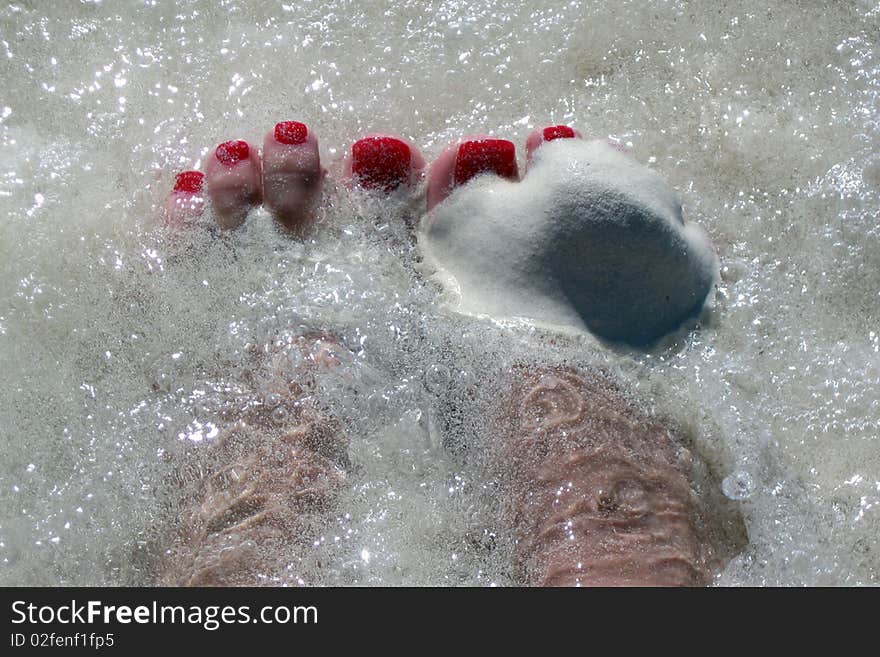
588, 240
119, 352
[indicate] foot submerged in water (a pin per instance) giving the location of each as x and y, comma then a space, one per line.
587, 239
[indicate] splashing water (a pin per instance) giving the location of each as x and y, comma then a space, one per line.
121, 354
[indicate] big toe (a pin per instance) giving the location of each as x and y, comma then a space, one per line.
383, 162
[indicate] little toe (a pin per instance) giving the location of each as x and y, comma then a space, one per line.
540, 136
383, 162
462, 161
292, 174
233, 182
185, 201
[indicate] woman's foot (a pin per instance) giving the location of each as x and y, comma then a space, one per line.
266, 485
286, 177
596, 494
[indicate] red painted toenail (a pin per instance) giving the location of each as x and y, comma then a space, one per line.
380, 162
558, 132
230, 152
189, 181
496, 156
291, 132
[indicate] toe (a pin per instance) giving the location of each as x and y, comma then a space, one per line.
292, 174
233, 182
383, 162
540, 136
185, 201
465, 160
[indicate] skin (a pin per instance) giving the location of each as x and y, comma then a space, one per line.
251, 505
234, 189
292, 181
417, 163
285, 178
180, 207
596, 495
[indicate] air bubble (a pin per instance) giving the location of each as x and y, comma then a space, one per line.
280, 415
437, 378
738, 486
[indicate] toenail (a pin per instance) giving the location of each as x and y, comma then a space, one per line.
291, 132
558, 132
496, 156
230, 152
189, 181
380, 162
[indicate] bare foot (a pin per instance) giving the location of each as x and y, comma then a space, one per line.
275, 473
266, 486
286, 177
597, 496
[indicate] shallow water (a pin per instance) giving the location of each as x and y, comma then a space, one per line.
118, 351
